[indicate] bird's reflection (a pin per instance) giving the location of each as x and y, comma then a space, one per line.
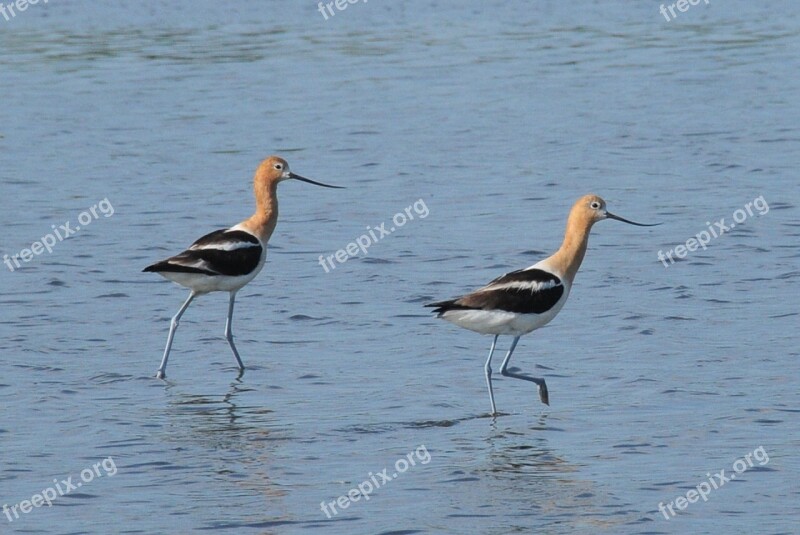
524, 467
515, 451
225, 420
234, 438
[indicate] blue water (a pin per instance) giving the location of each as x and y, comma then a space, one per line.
497, 117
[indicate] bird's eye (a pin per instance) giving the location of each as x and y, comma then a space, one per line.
595, 205
279, 166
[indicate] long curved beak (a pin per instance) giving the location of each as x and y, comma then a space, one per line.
304, 179
609, 215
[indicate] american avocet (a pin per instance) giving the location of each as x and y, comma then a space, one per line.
225, 260
524, 300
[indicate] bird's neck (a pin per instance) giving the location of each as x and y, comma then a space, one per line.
262, 223
567, 260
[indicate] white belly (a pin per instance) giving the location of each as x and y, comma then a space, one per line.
202, 284
501, 322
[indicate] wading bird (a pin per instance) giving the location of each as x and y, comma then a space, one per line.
524, 300
225, 260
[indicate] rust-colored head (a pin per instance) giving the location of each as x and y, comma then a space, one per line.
590, 209
265, 185
587, 211
275, 169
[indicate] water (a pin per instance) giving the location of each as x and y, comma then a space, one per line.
497, 117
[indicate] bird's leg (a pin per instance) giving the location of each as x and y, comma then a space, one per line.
173, 326
488, 370
543, 394
229, 334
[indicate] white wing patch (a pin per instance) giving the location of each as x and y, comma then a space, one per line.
191, 262
226, 245
531, 286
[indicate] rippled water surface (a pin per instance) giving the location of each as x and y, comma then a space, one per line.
497, 117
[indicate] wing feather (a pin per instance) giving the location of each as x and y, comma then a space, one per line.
526, 291
222, 252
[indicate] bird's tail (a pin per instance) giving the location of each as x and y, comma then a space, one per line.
440, 307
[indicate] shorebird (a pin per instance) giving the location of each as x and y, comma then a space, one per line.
524, 300
225, 260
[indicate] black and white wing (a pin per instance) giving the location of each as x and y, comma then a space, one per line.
223, 252
526, 291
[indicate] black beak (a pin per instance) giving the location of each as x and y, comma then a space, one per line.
609, 215
304, 179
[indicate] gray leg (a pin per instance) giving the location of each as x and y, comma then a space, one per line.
543, 394
173, 326
229, 334
488, 370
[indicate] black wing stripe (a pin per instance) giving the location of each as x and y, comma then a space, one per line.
518, 300
239, 253
226, 236
527, 291
231, 263
165, 267
525, 275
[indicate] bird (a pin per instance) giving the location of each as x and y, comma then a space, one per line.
226, 260
522, 301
